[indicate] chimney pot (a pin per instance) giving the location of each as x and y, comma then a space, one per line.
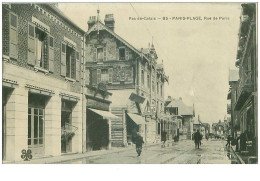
92, 20
180, 98
110, 21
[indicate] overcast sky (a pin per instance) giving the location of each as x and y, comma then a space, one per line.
196, 54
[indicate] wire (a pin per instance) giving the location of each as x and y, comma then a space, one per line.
165, 55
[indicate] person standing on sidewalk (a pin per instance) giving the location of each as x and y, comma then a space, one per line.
139, 144
229, 138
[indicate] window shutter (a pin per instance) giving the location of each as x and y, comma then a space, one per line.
73, 65
63, 60
13, 36
87, 77
126, 54
94, 54
45, 53
110, 74
117, 54
31, 44
77, 66
94, 77
51, 54
105, 53
98, 76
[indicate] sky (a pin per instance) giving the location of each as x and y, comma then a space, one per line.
197, 54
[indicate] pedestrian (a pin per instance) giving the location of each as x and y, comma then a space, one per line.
229, 138
197, 139
163, 138
139, 144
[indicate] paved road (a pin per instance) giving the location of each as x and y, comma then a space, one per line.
183, 152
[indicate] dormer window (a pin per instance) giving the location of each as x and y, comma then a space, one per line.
122, 54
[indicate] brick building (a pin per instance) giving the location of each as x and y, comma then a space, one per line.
42, 92
133, 77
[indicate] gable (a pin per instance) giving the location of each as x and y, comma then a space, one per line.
100, 26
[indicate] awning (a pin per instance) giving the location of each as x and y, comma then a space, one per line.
136, 118
104, 114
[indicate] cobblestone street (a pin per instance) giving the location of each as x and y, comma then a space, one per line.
183, 152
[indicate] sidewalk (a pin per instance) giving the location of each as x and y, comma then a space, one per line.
244, 158
74, 156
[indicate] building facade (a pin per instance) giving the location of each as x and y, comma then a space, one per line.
133, 77
42, 93
245, 103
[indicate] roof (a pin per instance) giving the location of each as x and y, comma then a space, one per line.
182, 108
62, 15
233, 75
101, 26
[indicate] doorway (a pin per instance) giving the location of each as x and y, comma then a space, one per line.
97, 131
67, 130
36, 123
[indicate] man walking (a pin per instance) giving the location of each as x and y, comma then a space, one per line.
197, 139
139, 144
229, 138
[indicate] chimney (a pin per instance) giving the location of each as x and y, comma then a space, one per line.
180, 98
169, 97
219, 121
110, 21
92, 20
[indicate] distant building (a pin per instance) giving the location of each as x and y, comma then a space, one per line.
178, 108
220, 128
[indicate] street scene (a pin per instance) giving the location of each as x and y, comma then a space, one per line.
212, 152
129, 83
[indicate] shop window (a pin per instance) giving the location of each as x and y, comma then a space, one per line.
122, 53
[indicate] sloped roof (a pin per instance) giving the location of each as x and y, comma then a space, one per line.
233, 75
101, 26
182, 108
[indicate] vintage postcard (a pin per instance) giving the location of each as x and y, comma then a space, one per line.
129, 83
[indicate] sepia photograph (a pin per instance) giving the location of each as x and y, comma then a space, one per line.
129, 83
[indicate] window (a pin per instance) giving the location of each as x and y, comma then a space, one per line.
148, 81
121, 53
100, 56
35, 126
104, 76
70, 62
142, 77
157, 88
153, 86
158, 128
41, 48
161, 90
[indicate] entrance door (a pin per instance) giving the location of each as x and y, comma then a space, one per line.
66, 141
36, 130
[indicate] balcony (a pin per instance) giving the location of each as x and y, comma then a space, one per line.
244, 89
